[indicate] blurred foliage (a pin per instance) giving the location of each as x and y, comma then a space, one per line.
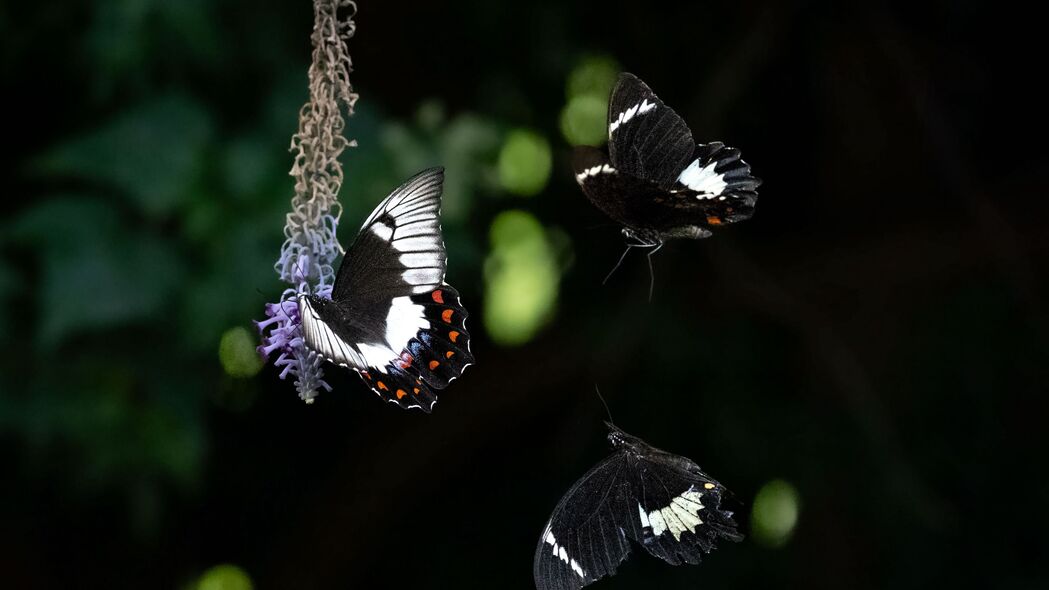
524, 162
774, 513
237, 353
583, 119
224, 577
521, 278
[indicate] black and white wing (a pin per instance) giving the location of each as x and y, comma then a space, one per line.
646, 138
399, 249
587, 536
679, 509
662, 502
640, 204
391, 317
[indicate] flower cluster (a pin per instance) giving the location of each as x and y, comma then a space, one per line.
311, 246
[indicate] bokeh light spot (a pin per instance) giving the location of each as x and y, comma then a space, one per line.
524, 162
521, 278
593, 76
583, 120
237, 353
224, 577
775, 513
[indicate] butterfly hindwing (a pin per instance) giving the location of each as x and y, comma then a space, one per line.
624, 198
646, 138
661, 501
442, 351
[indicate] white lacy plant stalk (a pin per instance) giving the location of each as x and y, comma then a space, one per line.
309, 252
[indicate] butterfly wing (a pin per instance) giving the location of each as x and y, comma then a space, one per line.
399, 249
586, 537
640, 204
661, 501
679, 509
646, 138
391, 317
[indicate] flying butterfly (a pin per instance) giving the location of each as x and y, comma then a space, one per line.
661, 501
391, 316
655, 180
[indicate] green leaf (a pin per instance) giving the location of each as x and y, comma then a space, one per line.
95, 273
153, 154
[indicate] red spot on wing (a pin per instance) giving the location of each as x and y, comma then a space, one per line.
438, 297
434, 365
406, 360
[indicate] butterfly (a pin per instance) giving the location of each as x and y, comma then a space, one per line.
661, 501
655, 180
391, 316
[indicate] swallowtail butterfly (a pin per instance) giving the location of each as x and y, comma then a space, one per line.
662, 502
655, 180
391, 317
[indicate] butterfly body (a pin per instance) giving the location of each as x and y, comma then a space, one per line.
641, 494
391, 317
654, 179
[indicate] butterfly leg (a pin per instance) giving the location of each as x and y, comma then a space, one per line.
651, 273
621, 258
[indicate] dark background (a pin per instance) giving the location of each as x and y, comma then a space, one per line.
876, 336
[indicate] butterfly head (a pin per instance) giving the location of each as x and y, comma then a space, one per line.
621, 440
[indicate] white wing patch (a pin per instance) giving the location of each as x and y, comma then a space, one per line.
682, 514
560, 553
703, 180
639, 109
382, 230
403, 322
323, 340
594, 171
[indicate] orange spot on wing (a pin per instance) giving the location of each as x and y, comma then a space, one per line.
438, 297
401, 393
446, 315
415, 390
453, 335
714, 220
383, 387
433, 365
449, 354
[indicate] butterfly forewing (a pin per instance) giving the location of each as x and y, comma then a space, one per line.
584, 539
399, 249
646, 138
660, 501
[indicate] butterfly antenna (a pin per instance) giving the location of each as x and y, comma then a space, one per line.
605, 404
614, 268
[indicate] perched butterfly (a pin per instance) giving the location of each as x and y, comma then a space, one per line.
661, 501
391, 317
655, 180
